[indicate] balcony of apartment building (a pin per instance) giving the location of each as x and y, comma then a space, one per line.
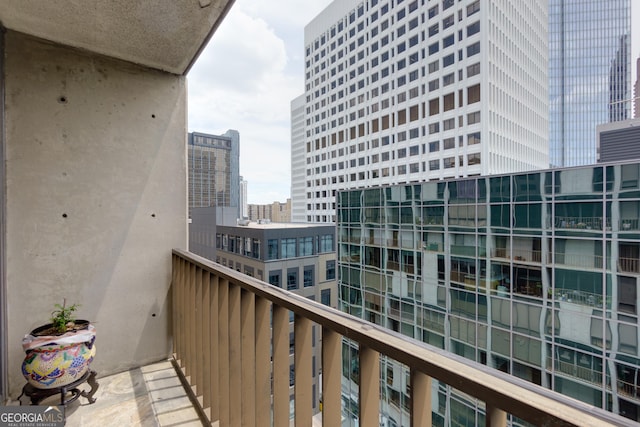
94, 210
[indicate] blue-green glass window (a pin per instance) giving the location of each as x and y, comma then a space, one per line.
326, 243
288, 248
305, 246
325, 297
274, 278
272, 249
292, 279
331, 269
308, 276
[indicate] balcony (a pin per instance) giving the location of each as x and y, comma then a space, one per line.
231, 338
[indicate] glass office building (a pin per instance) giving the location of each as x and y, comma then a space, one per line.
590, 73
535, 274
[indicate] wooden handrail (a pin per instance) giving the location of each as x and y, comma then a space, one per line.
502, 393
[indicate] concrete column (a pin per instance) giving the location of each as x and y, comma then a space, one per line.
95, 198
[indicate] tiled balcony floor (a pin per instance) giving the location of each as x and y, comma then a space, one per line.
149, 396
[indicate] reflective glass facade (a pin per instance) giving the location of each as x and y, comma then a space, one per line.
534, 274
589, 74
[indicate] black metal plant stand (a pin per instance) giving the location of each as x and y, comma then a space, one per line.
37, 395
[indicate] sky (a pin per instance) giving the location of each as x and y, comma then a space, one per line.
245, 79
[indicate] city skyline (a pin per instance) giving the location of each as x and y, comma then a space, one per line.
277, 63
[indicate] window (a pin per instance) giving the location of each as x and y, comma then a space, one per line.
473, 118
473, 138
473, 8
331, 269
402, 169
434, 165
433, 67
473, 69
447, 22
448, 102
434, 146
449, 162
449, 79
308, 276
272, 249
448, 41
473, 159
305, 246
434, 85
448, 60
325, 297
473, 49
434, 128
473, 94
473, 28
434, 47
292, 279
433, 30
288, 248
402, 153
433, 11
326, 243
274, 278
434, 107
414, 168
449, 143
449, 124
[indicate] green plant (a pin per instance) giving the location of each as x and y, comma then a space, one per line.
62, 317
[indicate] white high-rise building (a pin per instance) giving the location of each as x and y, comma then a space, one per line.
298, 161
400, 91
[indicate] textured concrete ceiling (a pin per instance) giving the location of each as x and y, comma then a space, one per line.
162, 34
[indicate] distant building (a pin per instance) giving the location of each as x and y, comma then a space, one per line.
535, 274
590, 72
297, 257
636, 91
202, 232
214, 173
410, 91
618, 141
275, 212
244, 207
298, 161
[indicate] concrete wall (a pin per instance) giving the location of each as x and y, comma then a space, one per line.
95, 198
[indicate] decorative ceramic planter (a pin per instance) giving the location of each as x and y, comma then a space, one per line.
55, 361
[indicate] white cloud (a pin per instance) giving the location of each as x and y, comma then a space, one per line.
245, 80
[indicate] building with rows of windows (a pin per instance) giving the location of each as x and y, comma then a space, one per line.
405, 90
214, 174
300, 258
535, 274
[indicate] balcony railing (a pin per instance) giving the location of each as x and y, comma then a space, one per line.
231, 337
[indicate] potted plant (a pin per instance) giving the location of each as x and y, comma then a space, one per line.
59, 353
